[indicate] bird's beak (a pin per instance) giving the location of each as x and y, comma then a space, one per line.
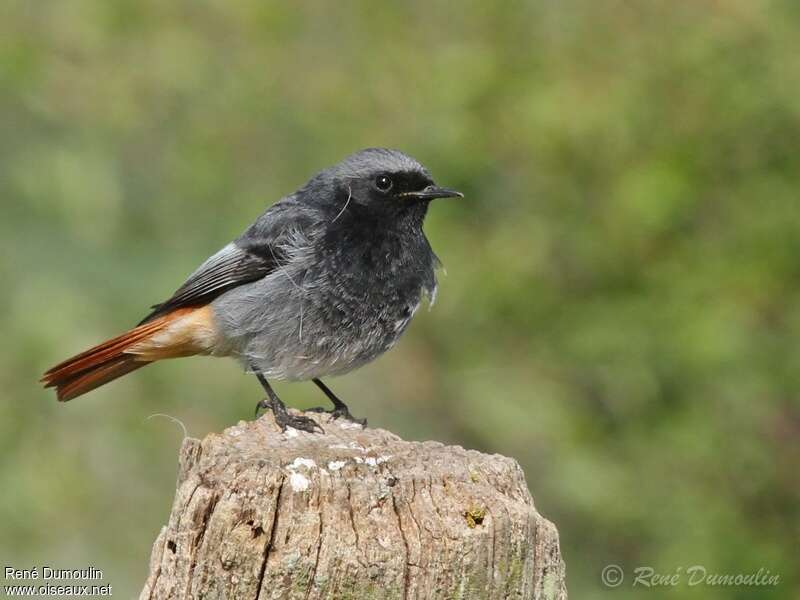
431, 192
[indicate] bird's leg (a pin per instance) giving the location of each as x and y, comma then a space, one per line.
282, 417
339, 408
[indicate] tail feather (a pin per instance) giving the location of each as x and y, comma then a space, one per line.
92, 357
78, 384
109, 360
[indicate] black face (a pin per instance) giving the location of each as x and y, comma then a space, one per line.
396, 190
377, 181
395, 184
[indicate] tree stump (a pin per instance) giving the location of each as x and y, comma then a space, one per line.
354, 513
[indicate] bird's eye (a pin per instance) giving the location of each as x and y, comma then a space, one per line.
383, 183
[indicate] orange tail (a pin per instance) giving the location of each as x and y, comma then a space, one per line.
125, 353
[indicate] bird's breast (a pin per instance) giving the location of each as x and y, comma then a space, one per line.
327, 312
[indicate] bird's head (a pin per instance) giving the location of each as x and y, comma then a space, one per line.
381, 182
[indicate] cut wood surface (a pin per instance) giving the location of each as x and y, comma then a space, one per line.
353, 513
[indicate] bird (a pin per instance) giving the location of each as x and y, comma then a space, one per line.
323, 282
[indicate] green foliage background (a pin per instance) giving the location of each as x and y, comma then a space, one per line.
622, 302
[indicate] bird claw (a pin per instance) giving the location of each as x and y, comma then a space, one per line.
340, 412
283, 419
262, 404
298, 422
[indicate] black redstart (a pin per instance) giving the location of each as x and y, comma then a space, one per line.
324, 281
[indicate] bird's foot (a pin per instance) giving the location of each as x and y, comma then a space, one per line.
283, 419
339, 412
298, 422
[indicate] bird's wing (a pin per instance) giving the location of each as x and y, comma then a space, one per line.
255, 254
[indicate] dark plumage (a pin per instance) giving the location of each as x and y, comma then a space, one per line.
324, 281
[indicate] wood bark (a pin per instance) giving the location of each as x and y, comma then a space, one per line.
352, 513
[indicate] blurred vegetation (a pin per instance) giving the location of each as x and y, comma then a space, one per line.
622, 306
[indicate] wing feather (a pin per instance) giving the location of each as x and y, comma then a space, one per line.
253, 255
230, 267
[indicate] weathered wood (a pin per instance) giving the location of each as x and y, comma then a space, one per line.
354, 513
